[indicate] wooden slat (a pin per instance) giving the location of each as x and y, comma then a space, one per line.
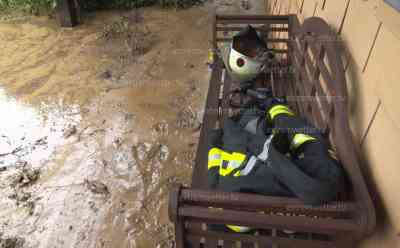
179, 234
279, 51
267, 40
193, 241
247, 244
199, 176
271, 29
256, 220
211, 242
252, 202
254, 17
266, 239
227, 81
252, 22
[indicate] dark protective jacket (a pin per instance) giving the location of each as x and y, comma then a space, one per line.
267, 162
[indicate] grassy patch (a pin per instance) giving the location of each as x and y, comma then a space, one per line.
44, 6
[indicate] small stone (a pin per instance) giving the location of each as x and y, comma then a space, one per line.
42, 141
71, 130
12, 242
25, 177
189, 65
117, 143
154, 151
106, 75
164, 153
161, 128
141, 150
97, 187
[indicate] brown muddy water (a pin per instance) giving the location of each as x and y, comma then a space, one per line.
97, 122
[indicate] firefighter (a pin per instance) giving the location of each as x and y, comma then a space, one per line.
278, 154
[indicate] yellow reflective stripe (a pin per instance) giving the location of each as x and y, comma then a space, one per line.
299, 139
212, 164
237, 174
215, 151
210, 56
234, 161
214, 158
238, 156
279, 109
225, 156
239, 229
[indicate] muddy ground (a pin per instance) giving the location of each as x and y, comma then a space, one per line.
97, 122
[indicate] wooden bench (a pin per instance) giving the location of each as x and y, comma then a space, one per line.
311, 75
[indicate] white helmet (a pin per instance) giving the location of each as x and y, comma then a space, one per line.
246, 55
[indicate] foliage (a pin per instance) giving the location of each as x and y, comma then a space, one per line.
41, 6
32, 6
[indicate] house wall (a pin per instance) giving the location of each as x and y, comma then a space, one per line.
370, 30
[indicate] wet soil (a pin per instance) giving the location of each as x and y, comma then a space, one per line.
96, 124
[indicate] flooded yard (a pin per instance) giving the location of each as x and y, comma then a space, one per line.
93, 131
97, 122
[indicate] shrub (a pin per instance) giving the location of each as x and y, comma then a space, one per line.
41, 6
32, 6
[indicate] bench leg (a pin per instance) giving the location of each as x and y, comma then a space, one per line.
67, 13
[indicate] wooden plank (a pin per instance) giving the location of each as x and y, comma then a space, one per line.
359, 33
240, 21
333, 12
253, 202
272, 29
257, 220
268, 40
227, 81
179, 234
266, 239
199, 176
253, 17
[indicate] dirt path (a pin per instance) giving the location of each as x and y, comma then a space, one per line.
97, 122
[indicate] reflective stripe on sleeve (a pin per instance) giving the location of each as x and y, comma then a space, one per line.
279, 109
263, 156
234, 160
239, 229
214, 158
299, 139
249, 166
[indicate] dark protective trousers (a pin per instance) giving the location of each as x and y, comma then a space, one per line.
309, 173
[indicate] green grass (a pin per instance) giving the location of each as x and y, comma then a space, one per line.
31, 6
44, 6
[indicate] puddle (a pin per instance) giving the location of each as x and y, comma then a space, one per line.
31, 134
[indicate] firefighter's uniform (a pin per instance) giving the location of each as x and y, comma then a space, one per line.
288, 159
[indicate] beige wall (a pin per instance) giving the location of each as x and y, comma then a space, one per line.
370, 30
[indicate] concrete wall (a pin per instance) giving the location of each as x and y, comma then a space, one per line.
370, 30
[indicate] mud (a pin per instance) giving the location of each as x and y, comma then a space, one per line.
97, 122
89, 140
